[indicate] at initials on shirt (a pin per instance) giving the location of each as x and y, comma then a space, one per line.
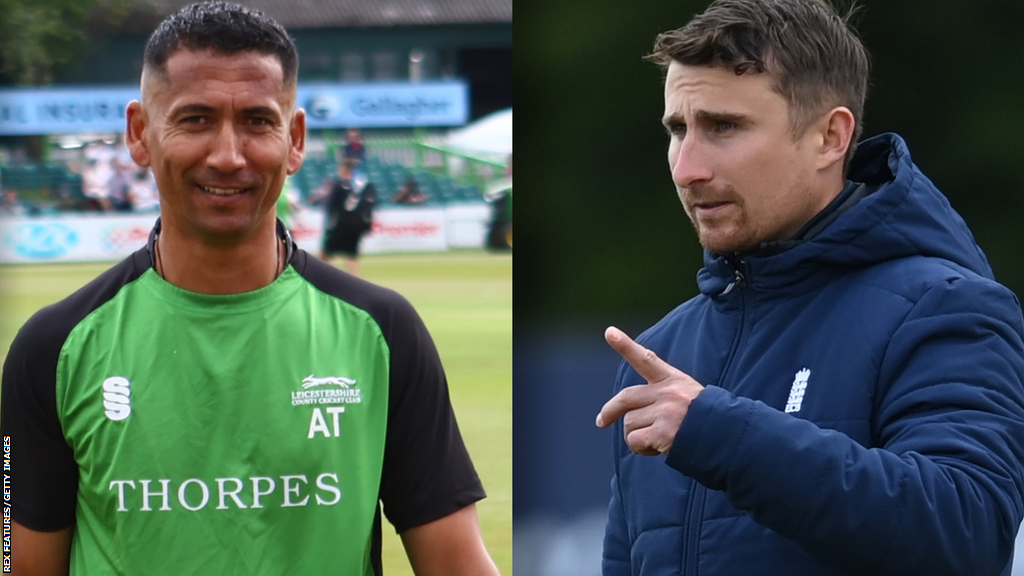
318, 424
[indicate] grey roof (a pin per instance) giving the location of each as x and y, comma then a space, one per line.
345, 13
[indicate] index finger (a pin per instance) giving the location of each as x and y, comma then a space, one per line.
645, 362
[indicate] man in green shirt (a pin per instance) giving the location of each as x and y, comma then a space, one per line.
221, 402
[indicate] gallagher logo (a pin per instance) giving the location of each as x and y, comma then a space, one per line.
42, 241
323, 106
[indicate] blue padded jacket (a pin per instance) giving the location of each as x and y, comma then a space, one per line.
863, 410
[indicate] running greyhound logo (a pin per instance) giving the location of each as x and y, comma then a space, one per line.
311, 381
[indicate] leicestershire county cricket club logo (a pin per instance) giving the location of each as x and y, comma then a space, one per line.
327, 390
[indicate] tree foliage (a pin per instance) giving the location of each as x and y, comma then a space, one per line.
37, 36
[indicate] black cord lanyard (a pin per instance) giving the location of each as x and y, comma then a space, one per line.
282, 234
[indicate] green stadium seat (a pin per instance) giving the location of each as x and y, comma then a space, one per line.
445, 190
32, 178
469, 193
397, 172
303, 181
378, 177
56, 177
373, 163
74, 183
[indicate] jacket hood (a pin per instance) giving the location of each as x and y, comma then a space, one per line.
904, 215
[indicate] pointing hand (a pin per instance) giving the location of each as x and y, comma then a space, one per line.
653, 412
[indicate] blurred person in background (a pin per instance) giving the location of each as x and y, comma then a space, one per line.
96, 175
121, 174
221, 384
409, 193
354, 149
348, 215
10, 204
845, 395
142, 191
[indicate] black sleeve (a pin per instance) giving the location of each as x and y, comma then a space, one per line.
427, 473
44, 475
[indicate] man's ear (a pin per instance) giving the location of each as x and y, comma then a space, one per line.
836, 129
297, 133
135, 133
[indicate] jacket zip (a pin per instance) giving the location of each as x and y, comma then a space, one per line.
698, 492
694, 516
738, 278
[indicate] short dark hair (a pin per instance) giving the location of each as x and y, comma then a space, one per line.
224, 27
813, 54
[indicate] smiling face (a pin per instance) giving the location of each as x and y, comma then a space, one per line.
741, 174
220, 132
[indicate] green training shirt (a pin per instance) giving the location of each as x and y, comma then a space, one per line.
242, 434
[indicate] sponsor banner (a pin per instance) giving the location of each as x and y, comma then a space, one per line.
394, 230
92, 238
384, 105
66, 110
72, 238
467, 224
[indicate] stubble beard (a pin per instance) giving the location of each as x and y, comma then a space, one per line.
736, 242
